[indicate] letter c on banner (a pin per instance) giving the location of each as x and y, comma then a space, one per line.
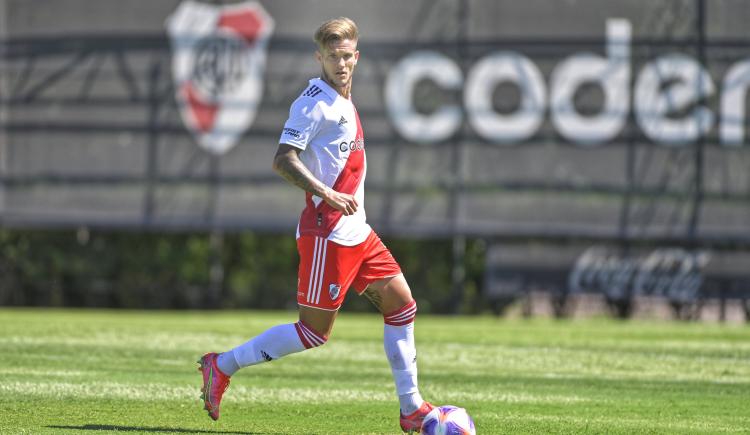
399, 95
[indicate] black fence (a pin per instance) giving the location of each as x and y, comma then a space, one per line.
621, 125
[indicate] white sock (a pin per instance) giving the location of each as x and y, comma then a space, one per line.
272, 344
398, 341
410, 402
227, 364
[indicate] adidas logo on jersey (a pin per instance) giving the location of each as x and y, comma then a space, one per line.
312, 91
342, 121
266, 356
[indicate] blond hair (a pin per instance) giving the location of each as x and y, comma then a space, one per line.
336, 29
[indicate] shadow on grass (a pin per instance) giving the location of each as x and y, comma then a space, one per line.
95, 427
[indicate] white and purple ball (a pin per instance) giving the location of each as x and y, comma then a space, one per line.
448, 420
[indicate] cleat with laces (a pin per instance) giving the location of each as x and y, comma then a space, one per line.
215, 383
412, 423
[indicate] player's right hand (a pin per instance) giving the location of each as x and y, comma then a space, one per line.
342, 202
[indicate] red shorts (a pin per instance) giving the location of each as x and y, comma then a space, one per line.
327, 269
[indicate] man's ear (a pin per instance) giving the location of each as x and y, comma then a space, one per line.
318, 56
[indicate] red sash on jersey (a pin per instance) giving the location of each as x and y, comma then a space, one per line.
321, 220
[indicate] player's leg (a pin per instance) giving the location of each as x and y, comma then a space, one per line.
310, 331
318, 320
324, 276
392, 296
317, 313
381, 281
389, 294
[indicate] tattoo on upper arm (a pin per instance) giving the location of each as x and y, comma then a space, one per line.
374, 296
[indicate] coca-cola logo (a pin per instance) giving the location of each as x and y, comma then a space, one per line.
671, 272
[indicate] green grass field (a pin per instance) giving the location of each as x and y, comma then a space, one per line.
95, 372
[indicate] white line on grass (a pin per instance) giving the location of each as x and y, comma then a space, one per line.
243, 394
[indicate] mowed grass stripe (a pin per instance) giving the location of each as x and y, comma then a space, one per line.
241, 394
607, 362
79, 371
158, 392
633, 424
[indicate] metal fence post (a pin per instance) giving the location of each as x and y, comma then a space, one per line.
154, 103
4, 101
458, 271
700, 28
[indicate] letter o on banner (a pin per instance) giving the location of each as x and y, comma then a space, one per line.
484, 78
399, 95
571, 75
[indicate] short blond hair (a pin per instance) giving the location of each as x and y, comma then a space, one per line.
336, 29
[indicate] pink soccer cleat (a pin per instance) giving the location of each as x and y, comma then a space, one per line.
413, 422
214, 384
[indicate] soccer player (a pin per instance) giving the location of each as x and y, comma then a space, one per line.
322, 151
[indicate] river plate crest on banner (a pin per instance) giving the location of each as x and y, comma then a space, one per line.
218, 60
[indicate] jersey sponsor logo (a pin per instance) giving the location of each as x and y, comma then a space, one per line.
333, 291
342, 121
292, 132
218, 59
354, 145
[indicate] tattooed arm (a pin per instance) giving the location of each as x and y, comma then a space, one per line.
287, 164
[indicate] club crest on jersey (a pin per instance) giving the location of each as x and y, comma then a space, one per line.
333, 291
218, 59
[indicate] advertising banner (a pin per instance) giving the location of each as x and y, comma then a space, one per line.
606, 121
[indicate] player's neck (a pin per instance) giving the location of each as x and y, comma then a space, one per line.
344, 91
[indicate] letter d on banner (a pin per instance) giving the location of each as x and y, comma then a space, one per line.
612, 73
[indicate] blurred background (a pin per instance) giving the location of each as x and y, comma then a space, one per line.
546, 157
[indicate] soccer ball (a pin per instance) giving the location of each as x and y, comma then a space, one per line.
448, 420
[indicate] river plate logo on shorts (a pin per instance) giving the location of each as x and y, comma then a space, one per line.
333, 291
218, 60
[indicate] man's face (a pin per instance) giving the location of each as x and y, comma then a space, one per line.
338, 60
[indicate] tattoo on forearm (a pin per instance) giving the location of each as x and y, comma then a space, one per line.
374, 297
296, 173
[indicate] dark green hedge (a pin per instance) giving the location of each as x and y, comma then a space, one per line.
175, 270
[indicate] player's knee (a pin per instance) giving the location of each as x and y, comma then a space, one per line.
309, 337
402, 316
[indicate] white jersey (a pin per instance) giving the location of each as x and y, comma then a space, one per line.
326, 127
